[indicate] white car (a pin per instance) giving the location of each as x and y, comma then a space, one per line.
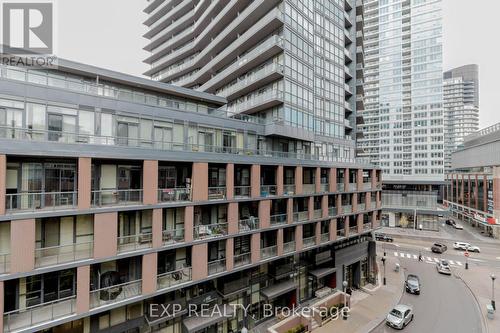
472, 248
400, 316
458, 227
461, 246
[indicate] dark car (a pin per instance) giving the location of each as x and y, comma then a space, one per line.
450, 222
383, 238
412, 284
439, 248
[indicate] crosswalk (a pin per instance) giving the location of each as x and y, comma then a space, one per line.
427, 259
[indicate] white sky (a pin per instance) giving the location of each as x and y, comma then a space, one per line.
108, 33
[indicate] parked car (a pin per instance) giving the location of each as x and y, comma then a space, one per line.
443, 267
439, 248
458, 226
383, 238
461, 246
412, 284
400, 316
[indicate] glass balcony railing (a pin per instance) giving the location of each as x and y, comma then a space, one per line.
55, 255
268, 252
18, 320
367, 226
116, 293
324, 187
216, 266
317, 213
289, 189
340, 233
134, 242
173, 278
249, 224
204, 231
309, 241
346, 209
255, 101
217, 192
367, 186
353, 186
116, 197
289, 247
353, 230
278, 219
174, 194
340, 186
25, 201
4, 262
309, 188
268, 190
173, 236
325, 237
301, 216
361, 206
242, 191
332, 211
242, 259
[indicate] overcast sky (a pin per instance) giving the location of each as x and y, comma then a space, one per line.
108, 33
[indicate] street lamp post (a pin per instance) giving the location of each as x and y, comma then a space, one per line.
493, 277
344, 284
383, 263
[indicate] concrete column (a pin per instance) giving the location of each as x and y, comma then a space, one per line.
496, 188
333, 229
298, 238
360, 222
1, 305
200, 261
230, 181
289, 210
379, 200
3, 180
149, 272
22, 246
346, 179
374, 178
255, 180
354, 202
298, 180
264, 213
332, 179
476, 192
255, 248
279, 242
82, 289
200, 182
324, 206
469, 194
310, 207
462, 189
339, 204
368, 200
318, 233
157, 228
105, 235
485, 193
84, 182
346, 225
233, 218
279, 180
229, 254
359, 180
317, 180
188, 224
150, 181
375, 221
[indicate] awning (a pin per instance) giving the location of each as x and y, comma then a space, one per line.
278, 289
196, 323
322, 272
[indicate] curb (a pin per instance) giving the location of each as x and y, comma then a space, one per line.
485, 328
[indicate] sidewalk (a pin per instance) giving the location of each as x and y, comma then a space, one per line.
368, 310
478, 281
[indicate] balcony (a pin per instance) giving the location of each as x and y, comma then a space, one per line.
309, 241
56, 255
278, 219
204, 231
268, 190
4, 262
216, 266
367, 226
300, 216
249, 224
332, 211
217, 193
373, 204
317, 213
289, 189
173, 278
289, 247
268, 252
367, 186
361, 206
134, 242
174, 194
325, 238
353, 230
173, 236
341, 233
257, 103
340, 187
352, 187
242, 259
309, 188
116, 293
242, 191
38, 314
116, 197
324, 188
24, 202
346, 209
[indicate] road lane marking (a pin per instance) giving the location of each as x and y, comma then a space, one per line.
436, 259
452, 262
459, 263
408, 256
429, 258
415, 256
402, 254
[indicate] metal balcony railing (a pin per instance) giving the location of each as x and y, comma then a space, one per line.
301, 216
173, 236
203, 231
173, 278
217, 192
278, 219
37, 314
289, 247
309, 241
33, 201
216, 266
116, 293
242, 259
116, 197
174, 194
268, 252
289, 189
249, 224
134, 242
55, 255
242, 191
268, 190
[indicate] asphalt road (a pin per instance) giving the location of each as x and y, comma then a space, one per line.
444, 305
